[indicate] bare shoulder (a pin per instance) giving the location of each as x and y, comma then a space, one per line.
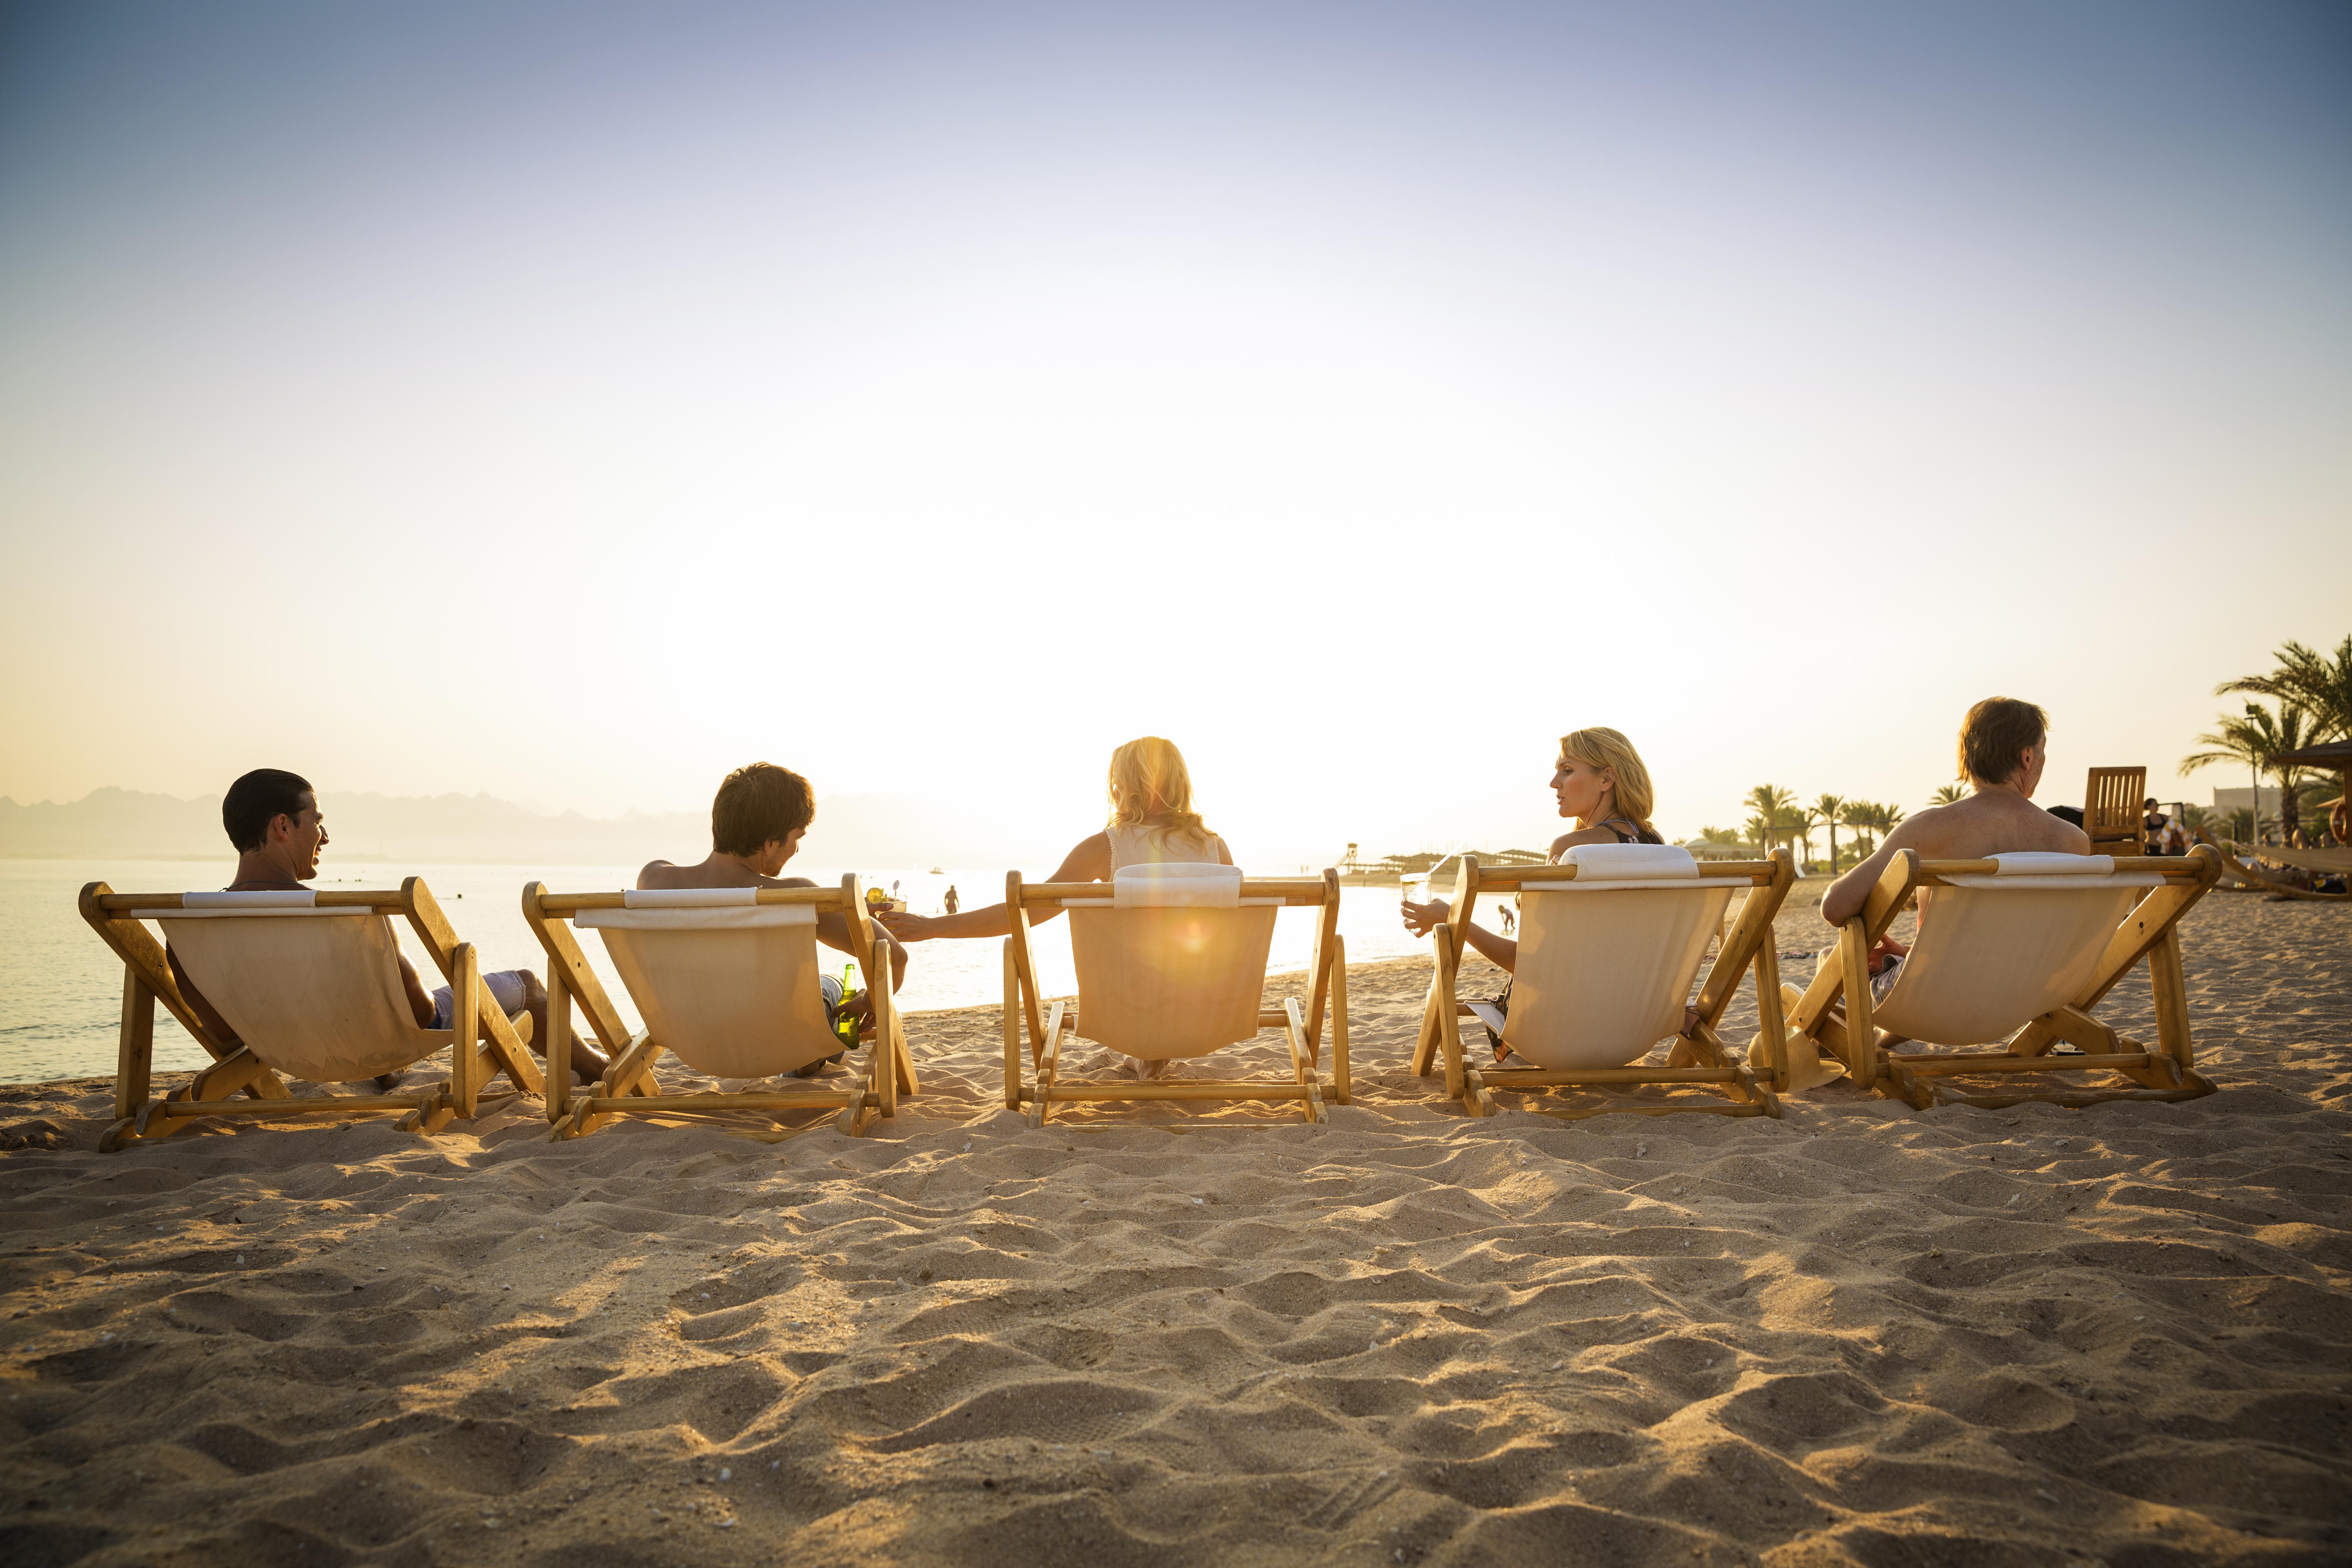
1088, 861
657, 874
786, 882
1569, 840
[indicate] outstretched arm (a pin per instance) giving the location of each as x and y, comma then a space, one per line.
1089, 862
1850, 892
1422, 919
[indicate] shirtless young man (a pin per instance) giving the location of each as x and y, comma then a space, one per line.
757, 821
273, 820
2003, 745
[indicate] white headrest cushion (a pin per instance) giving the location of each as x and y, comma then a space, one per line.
688, 898
1629, 862
285, 898
738, 915
2045, 863
271, 901
1177, 882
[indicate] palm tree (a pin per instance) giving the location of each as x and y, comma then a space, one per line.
2320, 684
1773, 805
2254, 738
1948, 795
1800, 826
1830, 810
1861, 816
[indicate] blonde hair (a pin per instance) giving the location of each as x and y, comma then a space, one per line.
1150, 788
1633, 798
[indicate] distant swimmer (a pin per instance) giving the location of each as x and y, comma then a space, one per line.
950, 899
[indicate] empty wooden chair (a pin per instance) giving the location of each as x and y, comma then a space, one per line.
726, 979
310, 983
1610, 940
2014, 950
1172, 966
2115, 803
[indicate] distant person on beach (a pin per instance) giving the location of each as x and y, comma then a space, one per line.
1510, 921
950, 899
1152, 822
2151, 826
2003, 744
273, 820
757, 821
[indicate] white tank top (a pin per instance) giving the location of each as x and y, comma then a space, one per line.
1131, 843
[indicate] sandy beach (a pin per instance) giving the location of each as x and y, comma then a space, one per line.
1856, 1334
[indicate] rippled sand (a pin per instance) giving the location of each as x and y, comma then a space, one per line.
1856, 1334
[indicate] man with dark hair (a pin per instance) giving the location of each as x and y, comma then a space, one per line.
273, 818
2002, 748
757, 821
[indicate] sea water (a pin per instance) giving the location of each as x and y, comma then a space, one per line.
61, 987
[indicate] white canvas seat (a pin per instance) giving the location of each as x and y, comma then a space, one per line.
2012, 952
310, 984
1994, 953
1609, 943
727, 981
1172, 966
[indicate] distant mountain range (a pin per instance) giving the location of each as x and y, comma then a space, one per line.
130, 824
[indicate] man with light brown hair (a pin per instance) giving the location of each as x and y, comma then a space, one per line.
2003, 745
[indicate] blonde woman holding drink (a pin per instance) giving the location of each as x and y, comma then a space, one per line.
1152, 821
1601, 782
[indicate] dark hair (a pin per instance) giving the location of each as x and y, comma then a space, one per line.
1995, 733
757, 803
260, 798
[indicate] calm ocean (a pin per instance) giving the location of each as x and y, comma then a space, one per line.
61, 989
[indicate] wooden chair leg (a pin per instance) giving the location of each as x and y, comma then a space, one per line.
1862, 1035
1040, 1106
1012, 1031
1341, 1088
1770, 1016
464, 991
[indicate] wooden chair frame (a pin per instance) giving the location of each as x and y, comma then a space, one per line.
2113, 811
1700, 1057
1048, 1026
237, 1073
2150, 930
627, 1088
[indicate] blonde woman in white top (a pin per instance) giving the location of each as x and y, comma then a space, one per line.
1151, 822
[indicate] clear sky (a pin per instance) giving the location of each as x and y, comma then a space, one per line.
572, 403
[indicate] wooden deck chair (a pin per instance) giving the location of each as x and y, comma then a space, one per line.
2114, 804
726, 979
1610, 940
2337, 862
1172, 966
2015, 949
310, 983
